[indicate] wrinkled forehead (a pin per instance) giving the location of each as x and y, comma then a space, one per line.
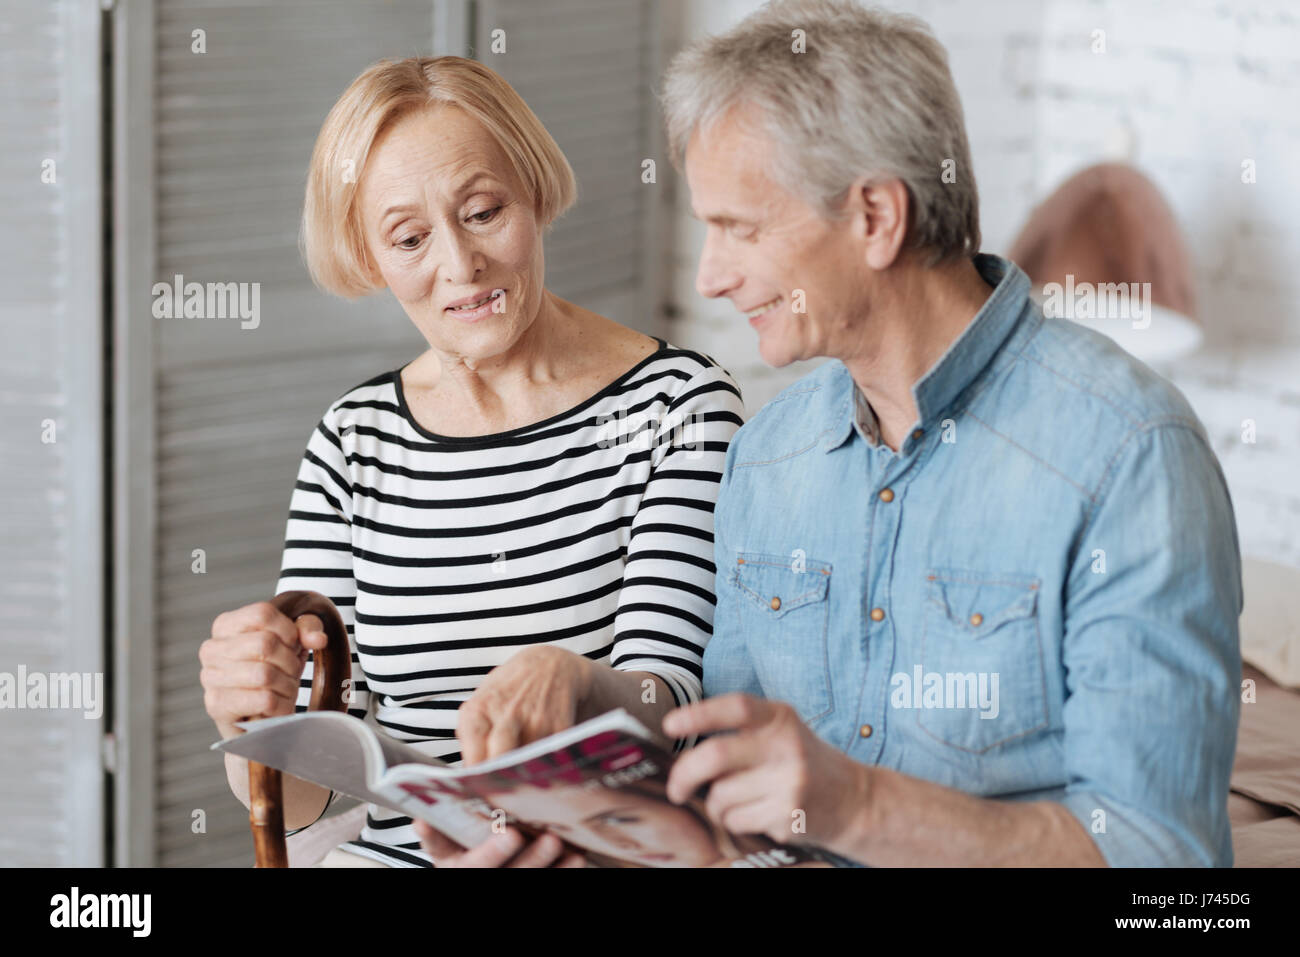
734, 133
436, 149
727, 164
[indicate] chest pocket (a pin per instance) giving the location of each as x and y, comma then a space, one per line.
782, 606
981, 639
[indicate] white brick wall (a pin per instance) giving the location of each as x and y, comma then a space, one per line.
1202, 85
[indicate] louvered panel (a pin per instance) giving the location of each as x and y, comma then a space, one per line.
571, 12
585, 69
269, 74
234, 407
230, 441
233, 134
50, 788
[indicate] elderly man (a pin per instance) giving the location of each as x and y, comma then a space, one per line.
977, 575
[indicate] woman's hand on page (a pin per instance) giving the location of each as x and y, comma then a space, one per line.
253, 662
538, 692
510, 848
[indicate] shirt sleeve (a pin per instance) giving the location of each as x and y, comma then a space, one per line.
318, 548
665, 607
1153, 663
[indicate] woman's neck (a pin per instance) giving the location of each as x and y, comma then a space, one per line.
539, 357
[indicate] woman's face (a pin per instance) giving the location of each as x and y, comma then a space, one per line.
445, 219
622, 824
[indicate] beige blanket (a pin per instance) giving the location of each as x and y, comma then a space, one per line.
1264, 805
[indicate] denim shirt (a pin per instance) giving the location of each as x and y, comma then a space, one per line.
1036, 597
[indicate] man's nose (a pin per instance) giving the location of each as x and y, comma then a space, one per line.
715, 276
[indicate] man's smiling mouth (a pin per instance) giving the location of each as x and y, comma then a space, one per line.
755, 313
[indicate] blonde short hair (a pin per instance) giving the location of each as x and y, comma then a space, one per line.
331, 237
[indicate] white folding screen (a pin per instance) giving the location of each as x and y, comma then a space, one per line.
587, 69
216, 106
227, 97
52, 786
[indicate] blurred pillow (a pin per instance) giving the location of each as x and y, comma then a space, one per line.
1270, 621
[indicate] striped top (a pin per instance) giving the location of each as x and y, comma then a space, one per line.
591, 530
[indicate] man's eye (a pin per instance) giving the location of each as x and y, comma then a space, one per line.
485, 216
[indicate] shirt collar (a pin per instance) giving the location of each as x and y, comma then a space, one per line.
865, 418
966, 357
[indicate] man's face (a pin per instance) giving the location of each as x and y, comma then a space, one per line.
770, 252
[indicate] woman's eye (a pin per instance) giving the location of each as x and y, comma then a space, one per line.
410, 242
485, 216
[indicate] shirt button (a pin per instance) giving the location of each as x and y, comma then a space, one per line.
877, 614
918, 433
976, 618
776, 603
886, 494
865, 730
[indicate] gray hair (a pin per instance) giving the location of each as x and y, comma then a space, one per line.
872, 94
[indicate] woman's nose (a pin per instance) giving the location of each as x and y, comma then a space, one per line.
459, 260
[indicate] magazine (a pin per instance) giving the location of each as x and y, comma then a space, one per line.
601, 786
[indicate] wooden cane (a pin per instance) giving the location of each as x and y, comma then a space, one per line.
332, 667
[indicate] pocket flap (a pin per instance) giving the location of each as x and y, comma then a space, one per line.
977, 604
780, 583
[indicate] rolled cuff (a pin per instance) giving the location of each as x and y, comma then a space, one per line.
1128, 837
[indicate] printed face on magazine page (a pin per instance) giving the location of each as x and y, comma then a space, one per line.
622, 824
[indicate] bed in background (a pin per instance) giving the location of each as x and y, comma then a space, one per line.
1264, 801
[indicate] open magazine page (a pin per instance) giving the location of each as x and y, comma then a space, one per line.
328, 748
606, 794
601, 786
345, 754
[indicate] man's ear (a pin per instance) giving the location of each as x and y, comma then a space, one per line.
879, 209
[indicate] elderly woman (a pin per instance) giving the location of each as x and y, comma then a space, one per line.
517, 525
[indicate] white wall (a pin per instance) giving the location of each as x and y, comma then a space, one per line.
1202, 85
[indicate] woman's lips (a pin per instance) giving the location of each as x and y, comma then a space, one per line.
473, 315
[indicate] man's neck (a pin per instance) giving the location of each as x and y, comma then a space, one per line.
918, 315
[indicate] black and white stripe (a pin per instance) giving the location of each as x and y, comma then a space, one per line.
591, 530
